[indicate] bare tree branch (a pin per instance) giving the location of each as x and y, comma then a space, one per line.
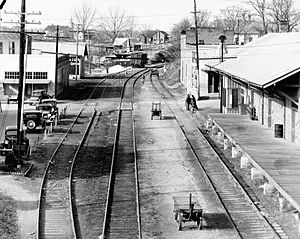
85, 16
114, 23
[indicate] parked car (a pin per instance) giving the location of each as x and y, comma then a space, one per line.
12, 99
10, 142
35, 119
53, 103
37, 96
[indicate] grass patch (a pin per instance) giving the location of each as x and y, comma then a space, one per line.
8, 217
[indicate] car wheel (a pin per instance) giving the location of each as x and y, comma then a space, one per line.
31, 124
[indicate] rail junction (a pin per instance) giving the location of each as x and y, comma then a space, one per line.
114, 170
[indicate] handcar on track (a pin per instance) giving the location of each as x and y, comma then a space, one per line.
187, 209
156, 110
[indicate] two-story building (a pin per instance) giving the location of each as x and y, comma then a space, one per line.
76, 51
153, 37
264, 82
126, 45
206, 84
40, 69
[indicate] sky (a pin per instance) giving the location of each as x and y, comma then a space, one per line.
153, 14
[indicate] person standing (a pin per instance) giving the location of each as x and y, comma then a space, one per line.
194, 103
188, 102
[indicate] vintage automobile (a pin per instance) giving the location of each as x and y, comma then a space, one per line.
35, 119
53, 103
10, 142
37, 95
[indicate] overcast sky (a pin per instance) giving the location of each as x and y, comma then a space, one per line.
157, 14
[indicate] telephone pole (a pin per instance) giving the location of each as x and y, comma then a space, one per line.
197, 50
22, 77
76, 63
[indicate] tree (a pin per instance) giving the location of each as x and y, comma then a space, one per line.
131, 26
235, 18
176, 30
261, 8
114, 23
84, 16
203, 17
283, 10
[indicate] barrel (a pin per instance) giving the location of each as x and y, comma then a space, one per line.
278, 130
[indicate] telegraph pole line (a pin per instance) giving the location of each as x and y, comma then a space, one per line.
76, 63
22, 76
197, 43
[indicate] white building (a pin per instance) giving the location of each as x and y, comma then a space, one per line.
40, 69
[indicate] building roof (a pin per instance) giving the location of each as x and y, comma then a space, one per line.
63, 47
209, 35
266, 60
119, 41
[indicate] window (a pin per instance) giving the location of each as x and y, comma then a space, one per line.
11, 47
1, 47
28, 75
11, 75
40, 75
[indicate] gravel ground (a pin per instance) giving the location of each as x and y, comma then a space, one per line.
159, 222
167, 168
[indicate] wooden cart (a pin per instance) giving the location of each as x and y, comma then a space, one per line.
187, 209
156, 110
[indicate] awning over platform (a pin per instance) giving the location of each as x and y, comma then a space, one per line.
264, 61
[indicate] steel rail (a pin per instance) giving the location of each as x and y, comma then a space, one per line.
246, 195
110, 184
52, 157
72, 206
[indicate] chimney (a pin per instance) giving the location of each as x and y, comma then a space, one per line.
283, 26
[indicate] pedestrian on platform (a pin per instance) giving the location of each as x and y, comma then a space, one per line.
194, 103
188, 102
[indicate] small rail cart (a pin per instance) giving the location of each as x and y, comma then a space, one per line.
156, 110
187, 209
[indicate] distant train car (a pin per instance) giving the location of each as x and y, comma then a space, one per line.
138, 59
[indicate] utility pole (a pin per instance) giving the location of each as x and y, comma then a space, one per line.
22, 76
56, 61
197, 50
76, 63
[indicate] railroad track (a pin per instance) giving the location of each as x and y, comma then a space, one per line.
55, 214
241, 209
63, 208
122, 216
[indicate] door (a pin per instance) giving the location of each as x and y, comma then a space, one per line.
293, 126
269, 113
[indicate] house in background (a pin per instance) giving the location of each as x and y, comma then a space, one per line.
153, 37
264, 82
123, 45
207, 86
40, 70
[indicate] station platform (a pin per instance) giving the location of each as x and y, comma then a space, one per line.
276, 159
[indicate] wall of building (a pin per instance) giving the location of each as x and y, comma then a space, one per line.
35, 63
271, 109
